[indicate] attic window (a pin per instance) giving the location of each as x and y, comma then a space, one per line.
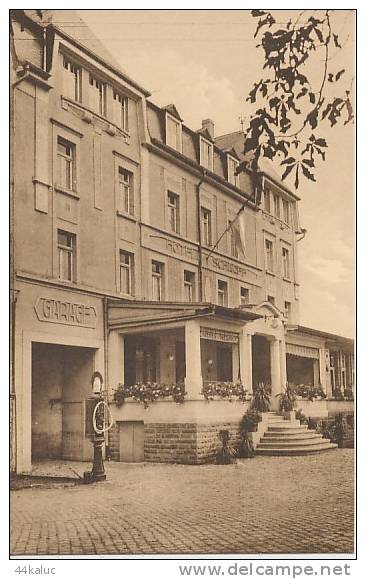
173, 132
206, 154
232, 165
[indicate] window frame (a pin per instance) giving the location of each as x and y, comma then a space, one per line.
173, 211
286, 213
157, 276
190, 284
210, 157
71, 183
224, 292
129, 267
120, 105
276, 205
231, 177
77, 80
70, 252
233, 246
102, 90
269, 264
267, 197
206, 226
126, 192
287, 310
177, 140
247, 301
286, 271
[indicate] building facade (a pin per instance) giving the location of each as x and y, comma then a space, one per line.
131, 256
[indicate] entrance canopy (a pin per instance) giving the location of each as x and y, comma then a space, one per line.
130, 316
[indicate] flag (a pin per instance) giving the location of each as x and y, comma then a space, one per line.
238, 229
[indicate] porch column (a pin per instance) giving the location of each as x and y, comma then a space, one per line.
193, 379
283, 363
235, 362
245, 352
116, 360
275, 351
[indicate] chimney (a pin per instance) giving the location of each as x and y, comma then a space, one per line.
210, 126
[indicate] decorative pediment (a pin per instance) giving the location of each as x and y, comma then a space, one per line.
172, 110
205, 133
267, 309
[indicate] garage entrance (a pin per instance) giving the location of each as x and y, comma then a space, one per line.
60, 384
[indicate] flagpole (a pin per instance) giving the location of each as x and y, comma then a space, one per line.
228, 227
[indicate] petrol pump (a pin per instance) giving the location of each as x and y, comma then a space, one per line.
98, 420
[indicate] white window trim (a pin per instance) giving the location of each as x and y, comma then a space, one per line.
193, 284
267, 269
177, 212
225, 281
131, 269
179, 125
246, 288
287, 249
210, 240
211, 157
235, 177
120, 204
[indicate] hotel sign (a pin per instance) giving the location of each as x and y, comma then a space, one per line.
219, 335
62, 312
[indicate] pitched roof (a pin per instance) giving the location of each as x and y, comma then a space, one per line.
73, 26
172, 110
236, 141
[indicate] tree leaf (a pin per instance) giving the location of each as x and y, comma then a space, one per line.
288, 161
339, 74
287, 171
257, 13
336, 42
297, 178
307, 173
308, 162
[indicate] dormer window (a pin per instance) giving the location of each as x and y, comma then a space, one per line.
173, 132
206, 154
71, 80
97, 95
232, 165
120, 110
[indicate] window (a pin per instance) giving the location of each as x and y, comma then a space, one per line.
66, 164
126, 194
206, 226
233, 245
206, 154
277, 208
71, 80
285, 263
66, 243
244, 296
287, 312
126, 272
269, 255
343, 370
157, 280
222, 293
189, 283
271, 300
267, 200
286, 211
173, 212
173, 133
120, 110
97, 95
232, 165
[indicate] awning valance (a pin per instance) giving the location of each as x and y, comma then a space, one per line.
302, 351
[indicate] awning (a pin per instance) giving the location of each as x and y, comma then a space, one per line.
302, 351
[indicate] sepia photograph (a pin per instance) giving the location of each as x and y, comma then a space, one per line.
182, 283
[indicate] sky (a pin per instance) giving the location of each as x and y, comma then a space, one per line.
205, 62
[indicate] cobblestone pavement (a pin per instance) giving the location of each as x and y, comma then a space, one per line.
266, 505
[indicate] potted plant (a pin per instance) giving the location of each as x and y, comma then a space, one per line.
287, 400
226, 454
261, 397
248, 424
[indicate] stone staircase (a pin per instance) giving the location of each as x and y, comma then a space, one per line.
290, 438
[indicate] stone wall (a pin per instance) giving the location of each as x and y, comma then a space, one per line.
184, 443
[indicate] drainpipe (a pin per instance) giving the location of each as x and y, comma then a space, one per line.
200, 273
106, 382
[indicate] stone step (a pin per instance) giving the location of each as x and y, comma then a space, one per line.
296, 450
271, 437
292, 428
292, 443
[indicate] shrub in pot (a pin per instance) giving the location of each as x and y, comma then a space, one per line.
261, 397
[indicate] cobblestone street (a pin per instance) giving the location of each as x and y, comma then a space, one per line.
266, 505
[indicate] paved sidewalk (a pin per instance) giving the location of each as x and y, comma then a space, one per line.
266, 505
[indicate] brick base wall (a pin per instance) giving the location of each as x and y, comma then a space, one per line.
184, 443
